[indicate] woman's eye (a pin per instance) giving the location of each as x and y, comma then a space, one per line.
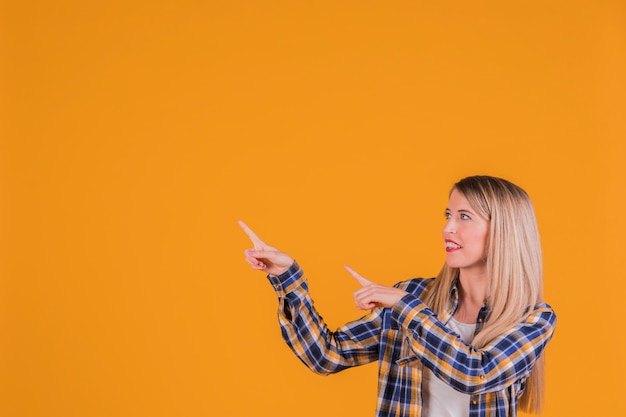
465, 216
447, 215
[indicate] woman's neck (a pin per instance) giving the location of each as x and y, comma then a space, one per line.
472, 294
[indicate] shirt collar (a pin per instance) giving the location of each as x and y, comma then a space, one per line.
483, 314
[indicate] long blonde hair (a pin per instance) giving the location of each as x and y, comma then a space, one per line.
514, 267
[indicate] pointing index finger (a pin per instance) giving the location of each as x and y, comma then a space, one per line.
363, 281
258, 243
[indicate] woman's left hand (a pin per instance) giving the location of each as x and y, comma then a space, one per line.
373, 295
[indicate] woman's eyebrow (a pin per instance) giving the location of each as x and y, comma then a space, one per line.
464, 210
461, 211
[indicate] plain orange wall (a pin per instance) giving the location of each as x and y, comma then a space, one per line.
135, 133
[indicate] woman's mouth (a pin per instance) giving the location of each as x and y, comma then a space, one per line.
452, 246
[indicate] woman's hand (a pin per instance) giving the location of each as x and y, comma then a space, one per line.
373, 295
264, 257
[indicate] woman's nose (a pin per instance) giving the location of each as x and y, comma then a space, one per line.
449, 227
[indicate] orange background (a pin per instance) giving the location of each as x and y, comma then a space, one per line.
134, 134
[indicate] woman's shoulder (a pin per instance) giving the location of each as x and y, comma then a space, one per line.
543, 307
415, 286
542, 312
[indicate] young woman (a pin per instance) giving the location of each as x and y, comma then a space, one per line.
467, 343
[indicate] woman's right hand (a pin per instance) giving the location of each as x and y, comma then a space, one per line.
265, 257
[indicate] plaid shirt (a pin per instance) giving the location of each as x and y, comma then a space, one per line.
408, 337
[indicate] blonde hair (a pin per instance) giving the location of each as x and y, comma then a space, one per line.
514, 267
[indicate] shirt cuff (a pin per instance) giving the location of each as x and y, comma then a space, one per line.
406, 310
288, 280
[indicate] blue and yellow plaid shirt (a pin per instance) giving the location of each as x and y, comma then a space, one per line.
408, 337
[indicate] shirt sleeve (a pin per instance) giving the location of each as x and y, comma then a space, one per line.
320, 349
499, 364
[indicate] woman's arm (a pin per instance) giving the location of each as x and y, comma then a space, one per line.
504, 360
304, 330
320, 349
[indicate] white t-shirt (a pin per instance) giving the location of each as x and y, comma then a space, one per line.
440, 399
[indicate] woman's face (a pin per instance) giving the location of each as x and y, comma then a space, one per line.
465, 236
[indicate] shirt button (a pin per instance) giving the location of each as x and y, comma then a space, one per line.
474, 401
482, 377
480, 320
